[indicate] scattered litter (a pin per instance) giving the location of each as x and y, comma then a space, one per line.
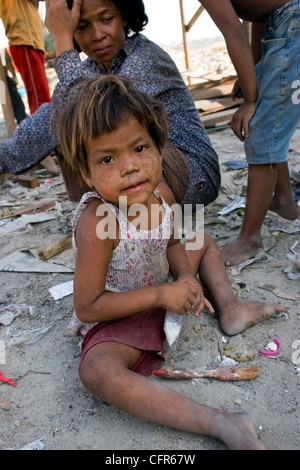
5, 404
293, 248
272, 349
238, 203
276, 291
9, 312
230, 187
2, 352
261, 256
28, 337
7, 380
295, 175
228, 361
61, 290
236, 164
238, 349
282, 315
33, 311
35, 445
24, 261
172, 327
283, 226
293, 268
25, 220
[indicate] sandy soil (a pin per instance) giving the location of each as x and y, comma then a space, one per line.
50, 407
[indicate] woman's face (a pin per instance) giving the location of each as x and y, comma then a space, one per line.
100, 32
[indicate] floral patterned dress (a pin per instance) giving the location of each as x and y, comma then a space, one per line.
139, 260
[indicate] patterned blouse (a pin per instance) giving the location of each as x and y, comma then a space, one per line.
140, 258
154, 72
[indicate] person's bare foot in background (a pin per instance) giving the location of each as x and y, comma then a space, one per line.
49, 164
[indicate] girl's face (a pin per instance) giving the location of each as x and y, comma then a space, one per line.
100, 31
124, 162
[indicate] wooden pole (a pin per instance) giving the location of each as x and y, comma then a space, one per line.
7, 108
185, 29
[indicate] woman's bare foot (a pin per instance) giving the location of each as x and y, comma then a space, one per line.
240, 315
50, 165
237, 430
285, 208
240, 250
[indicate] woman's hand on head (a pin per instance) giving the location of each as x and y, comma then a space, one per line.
62, 22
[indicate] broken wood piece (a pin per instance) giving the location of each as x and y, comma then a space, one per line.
33, 208
28, 181
222, 373
56, 248
209, 107
215, 118
211, 91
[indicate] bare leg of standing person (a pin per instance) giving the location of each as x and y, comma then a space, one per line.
267, 189
49, 164
283, 200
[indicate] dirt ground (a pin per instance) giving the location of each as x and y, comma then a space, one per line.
50, 409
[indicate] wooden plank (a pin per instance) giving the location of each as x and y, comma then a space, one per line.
216, 118
208, 107
204, 93
28, 181
7, 108
56, 248
34, 208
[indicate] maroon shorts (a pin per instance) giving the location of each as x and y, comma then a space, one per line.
144, 330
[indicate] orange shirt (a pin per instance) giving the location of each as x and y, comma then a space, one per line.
22, 23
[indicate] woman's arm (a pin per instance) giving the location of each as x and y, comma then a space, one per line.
32, 141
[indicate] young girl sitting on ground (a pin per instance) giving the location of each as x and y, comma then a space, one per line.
126, 244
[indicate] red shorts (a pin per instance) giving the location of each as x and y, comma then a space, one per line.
144, 330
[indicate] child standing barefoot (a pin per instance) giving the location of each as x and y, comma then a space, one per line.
270, 112
126, 243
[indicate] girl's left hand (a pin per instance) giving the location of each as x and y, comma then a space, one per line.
200, 301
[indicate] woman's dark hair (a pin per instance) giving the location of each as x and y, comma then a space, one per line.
133, 11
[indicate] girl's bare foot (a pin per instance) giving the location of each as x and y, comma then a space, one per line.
240, 250
240, 315
237, 430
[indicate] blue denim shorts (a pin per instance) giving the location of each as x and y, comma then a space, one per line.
278, 73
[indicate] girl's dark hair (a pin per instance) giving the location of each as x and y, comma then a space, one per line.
101, 106
133, 11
